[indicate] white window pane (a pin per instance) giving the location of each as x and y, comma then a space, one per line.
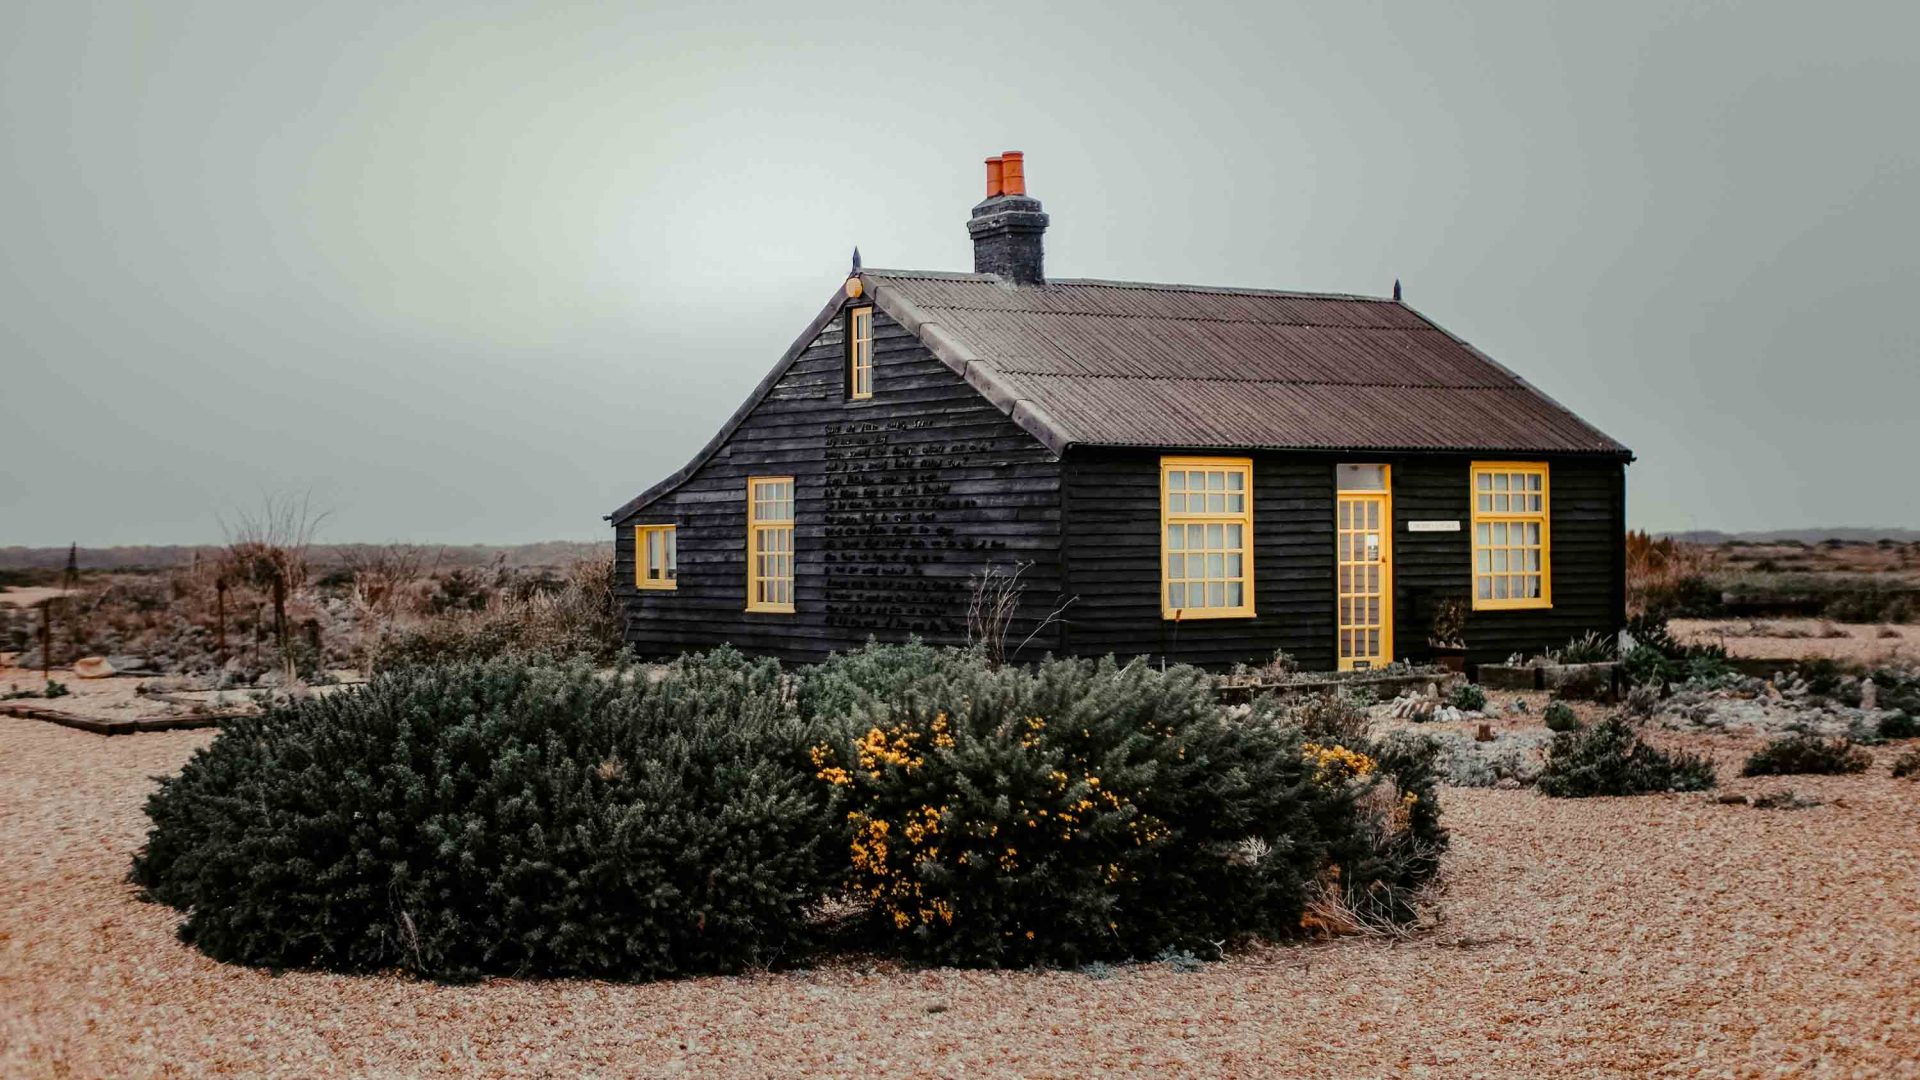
1233, 566
1216, 594
1483, 534
1215, 537
1216, 503
1236, 594
1176, 481
1176, 503
1216, 566
1234, 534
1500, 481
1176, 596
1236, 504
1236, 481
1484, 586
1500, 588
1483, 481
1176, 535
1500, 559
1176, 566
1216, 481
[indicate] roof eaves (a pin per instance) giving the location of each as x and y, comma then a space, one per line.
800, 344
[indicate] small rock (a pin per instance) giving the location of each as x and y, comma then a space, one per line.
1507, 783
1869, 695
1729, 798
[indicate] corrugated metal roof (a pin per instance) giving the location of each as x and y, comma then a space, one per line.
1122, 364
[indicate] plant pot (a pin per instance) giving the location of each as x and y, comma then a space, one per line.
1451, 657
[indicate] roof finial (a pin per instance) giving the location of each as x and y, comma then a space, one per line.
1396, 281
856, 261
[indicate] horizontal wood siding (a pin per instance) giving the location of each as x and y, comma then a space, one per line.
898, 501
1588, 531
1113, 541
1112, 513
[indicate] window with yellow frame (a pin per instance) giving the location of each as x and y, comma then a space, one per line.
770, 544
860, 353
1206, 538
655, 562
1512, 539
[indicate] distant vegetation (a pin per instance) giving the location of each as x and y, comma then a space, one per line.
1856, 581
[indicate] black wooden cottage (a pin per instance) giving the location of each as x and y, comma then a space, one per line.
1209, 474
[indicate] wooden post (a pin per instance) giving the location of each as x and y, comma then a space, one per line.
220, 620
46, 638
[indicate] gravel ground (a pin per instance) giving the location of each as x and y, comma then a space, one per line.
1660, 936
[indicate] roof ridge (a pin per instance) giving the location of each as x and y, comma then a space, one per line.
1421, 326
1108, 283
1514, 385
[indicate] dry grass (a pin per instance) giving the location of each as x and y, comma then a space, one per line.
1661, 936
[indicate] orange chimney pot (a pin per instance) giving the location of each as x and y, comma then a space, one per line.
1013, 173
993, 177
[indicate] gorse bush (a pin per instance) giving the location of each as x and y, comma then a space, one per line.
1807, 754
502, 818
1609, 759
514, 818
1079, 811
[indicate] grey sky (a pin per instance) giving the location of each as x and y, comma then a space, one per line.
481, 272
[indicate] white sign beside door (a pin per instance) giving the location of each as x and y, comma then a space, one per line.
1433, 526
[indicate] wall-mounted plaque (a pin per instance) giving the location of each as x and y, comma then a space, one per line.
1434, 526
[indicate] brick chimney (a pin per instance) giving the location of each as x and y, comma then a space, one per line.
1007, 224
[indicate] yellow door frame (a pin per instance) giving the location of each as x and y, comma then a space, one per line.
1384, 497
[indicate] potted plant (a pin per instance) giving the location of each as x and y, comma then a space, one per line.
1447, 637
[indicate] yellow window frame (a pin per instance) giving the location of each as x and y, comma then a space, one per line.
860, 353
770, 544
643, 557
1214, 520
1520, 512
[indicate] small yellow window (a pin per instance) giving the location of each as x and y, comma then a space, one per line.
860, 354
1512, 542
770, 543
1206, 539
655, 562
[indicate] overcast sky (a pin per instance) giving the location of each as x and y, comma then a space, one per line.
481, 272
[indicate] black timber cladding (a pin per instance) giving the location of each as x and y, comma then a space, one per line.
1113, 549
899, 500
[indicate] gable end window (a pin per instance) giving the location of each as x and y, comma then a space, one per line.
860, 353
656, 563
770, 544
1206, 538
1512, 538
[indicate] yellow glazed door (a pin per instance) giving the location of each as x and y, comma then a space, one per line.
1364, 600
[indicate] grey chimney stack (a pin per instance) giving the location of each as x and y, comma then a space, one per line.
1007, 225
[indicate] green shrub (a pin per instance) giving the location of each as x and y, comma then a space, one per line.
1468, 697
1899, 726
502, 818
1907, 764
1559, 716
1658, 658
1078, 811
1609, 759
1807, 754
